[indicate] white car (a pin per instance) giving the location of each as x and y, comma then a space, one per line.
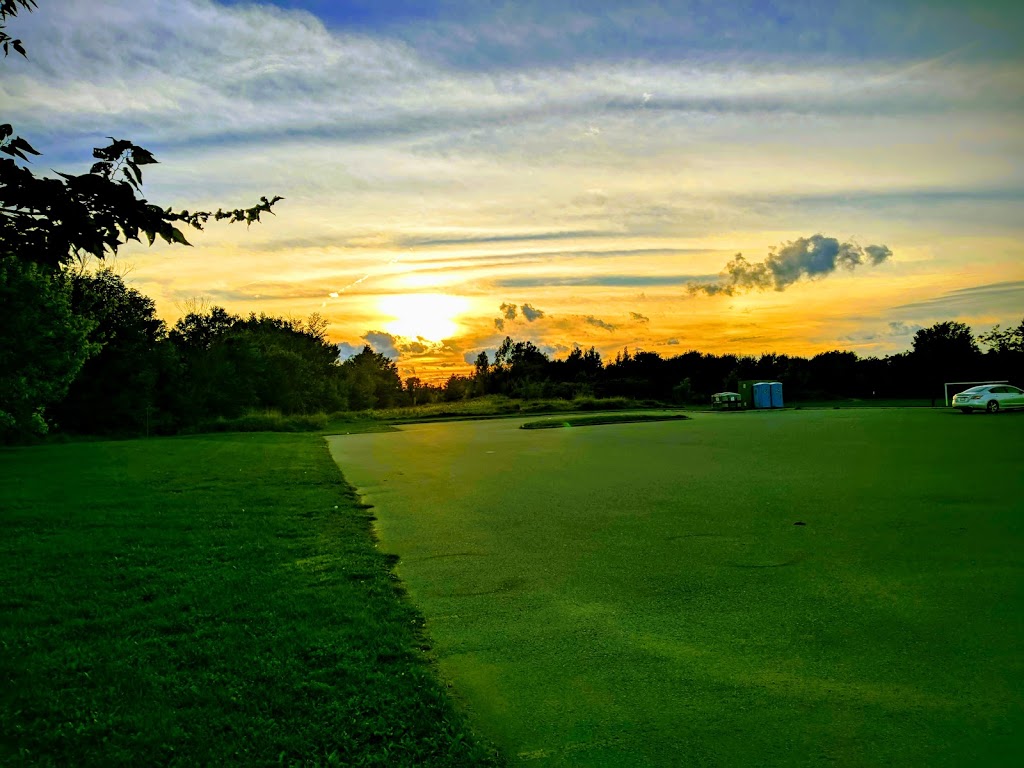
990, 397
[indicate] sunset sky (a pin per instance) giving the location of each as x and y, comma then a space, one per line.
588, 165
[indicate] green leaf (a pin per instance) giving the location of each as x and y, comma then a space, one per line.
178, 237
5, 131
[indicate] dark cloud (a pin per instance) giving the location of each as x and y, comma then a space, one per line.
532, 313
811, 257
395, 347
508, 312
877, 253
598, 323
639, 318
672, 342
383, 343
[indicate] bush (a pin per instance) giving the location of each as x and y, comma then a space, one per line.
266, 421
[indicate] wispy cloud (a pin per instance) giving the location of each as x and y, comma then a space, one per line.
1006, 296
425, 241
597, 280
259, 71
900, 328
598, 323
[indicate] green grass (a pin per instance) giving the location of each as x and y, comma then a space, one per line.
641, 594
852, 402
609, 418
213, 600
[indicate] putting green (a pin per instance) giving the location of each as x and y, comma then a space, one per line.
641, 594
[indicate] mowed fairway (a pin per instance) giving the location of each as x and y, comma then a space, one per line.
640, 594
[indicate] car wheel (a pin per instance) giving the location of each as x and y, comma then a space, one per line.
965, 410
993, 406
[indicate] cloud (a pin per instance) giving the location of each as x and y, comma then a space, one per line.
253, 71
639, 318
812, 257
598, 323
471, 356
1006, 296
383, 343
900, 328
612, 281
672, 342
876, 254
414, 241
346, 350
509, 312
486, 35
399, 347
532, 313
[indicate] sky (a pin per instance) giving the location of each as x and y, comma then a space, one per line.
571, 173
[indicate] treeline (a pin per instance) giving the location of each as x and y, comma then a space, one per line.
136, 375
946, 351
141, 376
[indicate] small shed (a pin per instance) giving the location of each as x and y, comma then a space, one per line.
725, 401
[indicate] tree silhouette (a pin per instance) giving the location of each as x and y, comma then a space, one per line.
945, 352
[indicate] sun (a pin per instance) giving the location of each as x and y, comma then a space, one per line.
429, 316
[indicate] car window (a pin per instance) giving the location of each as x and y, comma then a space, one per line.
1015, 391
996, 390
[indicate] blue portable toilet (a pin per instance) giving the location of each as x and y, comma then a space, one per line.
776, 389
762, 395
